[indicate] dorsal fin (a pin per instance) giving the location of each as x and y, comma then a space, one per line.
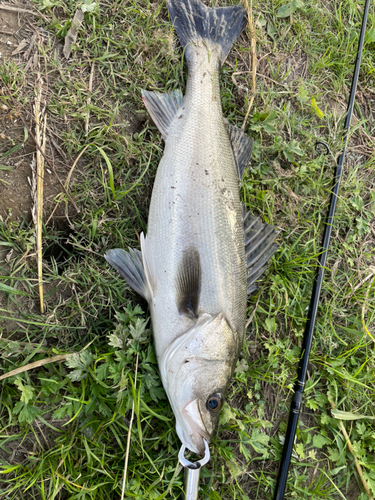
242, 147
162, 108
259, 247
188, 283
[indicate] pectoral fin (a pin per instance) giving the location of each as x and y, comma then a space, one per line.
135, 267
188, 283
130, 266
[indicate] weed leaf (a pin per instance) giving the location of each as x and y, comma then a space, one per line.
347, 415
27, 392
319, 441
79, 360
289, 8
317, 110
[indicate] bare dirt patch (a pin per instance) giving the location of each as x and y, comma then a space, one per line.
10, 26
21, 64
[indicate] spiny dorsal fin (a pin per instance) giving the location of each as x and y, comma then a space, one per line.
259, 247
242, 147
130, 266
188, 283
162, 108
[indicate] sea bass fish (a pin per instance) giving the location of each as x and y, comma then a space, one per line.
203, 251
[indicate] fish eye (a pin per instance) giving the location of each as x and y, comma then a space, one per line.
214, 403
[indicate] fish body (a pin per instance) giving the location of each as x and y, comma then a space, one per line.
196, 207
200, 255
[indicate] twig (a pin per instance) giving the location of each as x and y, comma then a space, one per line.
129, 436
357, 464
36, 364
254, 59
59, 150
273, 81
89, 99
68, 180
18, 9
40, 184
74, 165
238, 73
39, 148
361, 283
46, 361
42, 433
242, 72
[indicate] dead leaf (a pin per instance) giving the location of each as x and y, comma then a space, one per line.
71, 36
21, 47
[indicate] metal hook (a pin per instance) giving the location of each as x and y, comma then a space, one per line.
192, 471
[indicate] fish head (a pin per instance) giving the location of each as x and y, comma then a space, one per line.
196, 370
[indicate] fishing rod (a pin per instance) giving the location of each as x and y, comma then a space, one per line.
296, 402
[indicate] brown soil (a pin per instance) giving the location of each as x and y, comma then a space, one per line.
18, 47
21, 40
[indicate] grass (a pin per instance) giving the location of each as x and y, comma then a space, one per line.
64, 426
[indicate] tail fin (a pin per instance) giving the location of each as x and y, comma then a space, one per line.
195, 22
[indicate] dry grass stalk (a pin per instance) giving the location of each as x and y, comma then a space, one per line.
89, 99
129, 436
55, 359
363, 311
40, 136
357, 464
36, 364
32, 183
253, 57
252, 313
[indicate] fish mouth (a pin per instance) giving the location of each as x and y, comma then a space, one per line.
193, 439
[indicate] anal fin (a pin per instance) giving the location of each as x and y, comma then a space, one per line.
162, 108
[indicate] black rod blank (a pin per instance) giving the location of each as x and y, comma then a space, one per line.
296, 402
